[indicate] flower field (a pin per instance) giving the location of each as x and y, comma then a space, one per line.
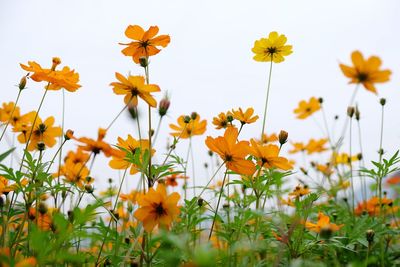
268, 200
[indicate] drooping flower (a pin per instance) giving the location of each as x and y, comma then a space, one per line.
306, 109
244, 117
365, 71
268, 156
233, 153
42, 132
133, 87
323, 223
145, 42
272, 48
57, 79
130, 144
157, 208
188, 128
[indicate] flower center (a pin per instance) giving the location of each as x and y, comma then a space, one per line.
362, 77
134, 91
272, 50
228, 158
160, 209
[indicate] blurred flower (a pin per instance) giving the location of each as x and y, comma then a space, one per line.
306, 109
132, 196
186, 130
133, 87
145, 43
300, 191
298, 147
222, 121
374, 206
268, 156
157, 208
344, 158
272, 48
365, 72
322, 224
233, 153
316, 146
171, 179
96, 146
74, 173
268, 139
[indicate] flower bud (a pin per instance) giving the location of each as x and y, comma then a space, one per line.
350, 111
186, 119
283, 136
194, 115
41, 146
56, 61
89, 188
69, 134
326, 232
200, 202
320, 100
42, 208
370, 236
22, 83
133, 111
163, 106
357, 113
229, 118
144, 62
382, 101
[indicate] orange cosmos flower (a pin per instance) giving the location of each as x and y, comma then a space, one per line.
119, 160
57, 79
372, 206
298, 147
300, 191
171, 179
41, 132
365, 72
77, 157
233, 153
393, 180
322, 224
157, 208
186, 130
306, 109
145, 43
268, 139
268, 156
223, 120
74, 173
244, 117
131, 197
134, 86
316, 146
96, 146
272, 48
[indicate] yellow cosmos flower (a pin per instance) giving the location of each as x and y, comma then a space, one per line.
41, 132
233, 153
272, 48
298, 147
145, 43
74, 173
96, 146
119, 161
244, 117
268, 139
157, 208
65, 78
300, 191
187, 130
306, 109
133, 87
365, 71
345, 159
268, 156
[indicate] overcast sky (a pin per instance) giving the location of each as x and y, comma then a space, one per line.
208, 66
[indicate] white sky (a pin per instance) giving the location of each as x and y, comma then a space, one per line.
208, 66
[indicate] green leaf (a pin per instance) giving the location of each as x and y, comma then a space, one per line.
5, 154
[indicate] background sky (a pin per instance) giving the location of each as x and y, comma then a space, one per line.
208, 66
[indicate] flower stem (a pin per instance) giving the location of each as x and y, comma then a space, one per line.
266, 99
11, 115
216, 209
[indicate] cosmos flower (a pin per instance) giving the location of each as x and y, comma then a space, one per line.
144, 43
306, 109
272, 48
365, 71
157, 208
133, 87
268, 156
188, 129
244, 117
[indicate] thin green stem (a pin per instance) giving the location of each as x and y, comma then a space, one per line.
266, 99
11, 115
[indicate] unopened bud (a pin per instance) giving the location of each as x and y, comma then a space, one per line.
69, 134
229, 118
89, 188
200, 202
370, 236
41, 146
144, 62
56, 61
350, 111
359, 156
163, 106
194, 115
210, 153
70, 215
304, 171
42, 208
133, 111
320, 100
326, 232
22, 83
186, 119
357, 113
382, 101
283, 136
